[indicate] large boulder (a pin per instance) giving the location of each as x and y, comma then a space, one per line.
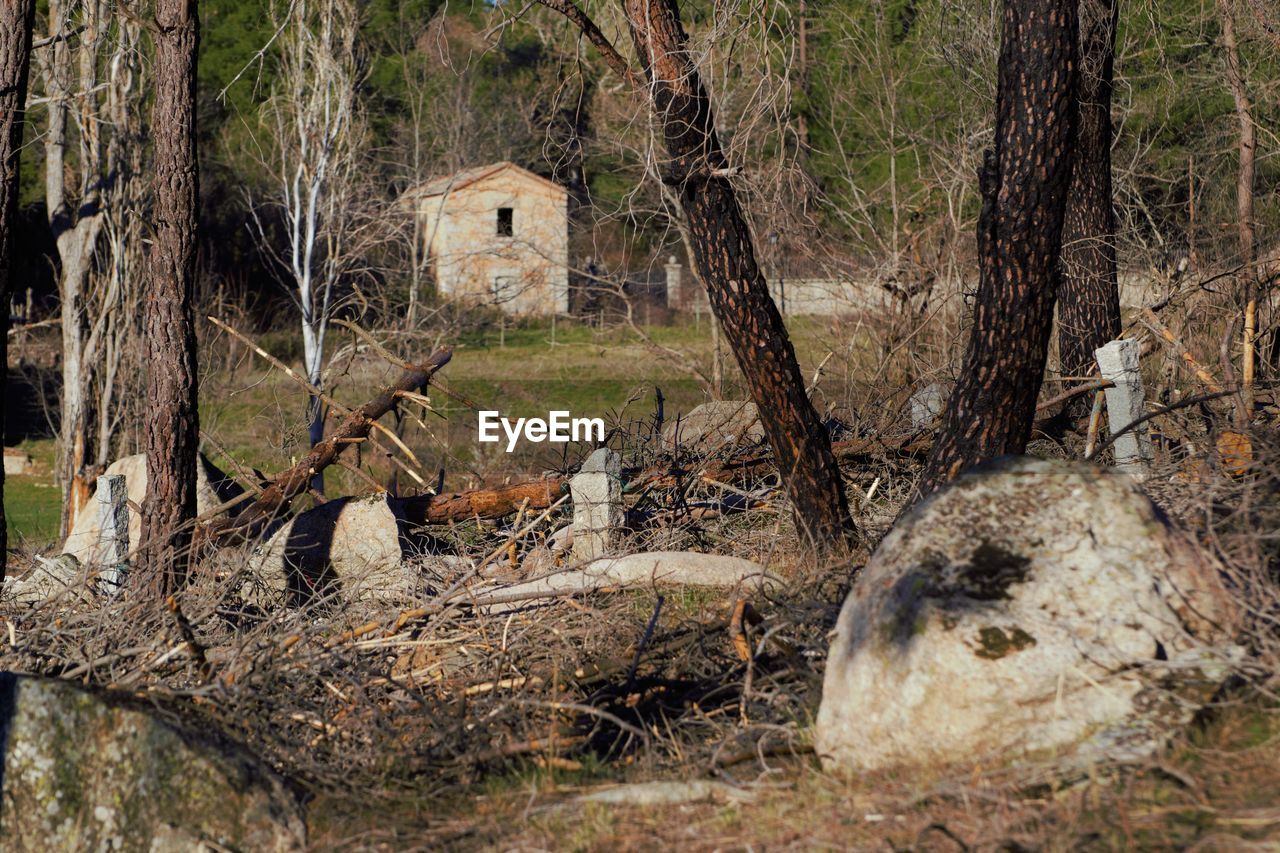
213, 488
714, 425
365, 546
83, 771
1030, 608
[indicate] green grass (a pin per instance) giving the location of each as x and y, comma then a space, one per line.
521, 371
257, 414
32, 502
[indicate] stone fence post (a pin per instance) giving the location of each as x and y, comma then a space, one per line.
113, 524
1118, 362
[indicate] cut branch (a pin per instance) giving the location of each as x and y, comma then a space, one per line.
278, 493
484, 503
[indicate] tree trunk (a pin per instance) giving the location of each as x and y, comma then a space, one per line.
1089, 299
1024, 191
313, 334
75, 225
724, 254
17, 17
1248, 145
74, 411
170, 436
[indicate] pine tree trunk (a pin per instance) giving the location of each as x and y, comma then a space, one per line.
724, 254
172, 421
17, 17
1089, 299
1024, 191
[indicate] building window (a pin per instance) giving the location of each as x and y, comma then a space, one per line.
506, 222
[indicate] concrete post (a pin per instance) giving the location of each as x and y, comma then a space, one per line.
113, 525
596, 491
675, 285
926, 405
1118, 362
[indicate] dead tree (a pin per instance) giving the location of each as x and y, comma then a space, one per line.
276, 495
172, 426
1024, 197
89, 73
1089, 298
698, 173
75, 219
1245, 175
17, 17
314, 116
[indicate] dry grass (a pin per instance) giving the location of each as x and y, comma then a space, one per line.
453, 727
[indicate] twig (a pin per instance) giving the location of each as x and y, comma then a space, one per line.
591, 710
1164, 410
1095, 422
257, 57
515, 537
738, 632
1075, 392
1202, 373
188, 633
644, 641
280, 365
373, 343
242, 476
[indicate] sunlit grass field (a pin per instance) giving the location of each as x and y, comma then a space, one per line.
253, 416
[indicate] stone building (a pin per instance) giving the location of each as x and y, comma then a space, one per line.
497, 235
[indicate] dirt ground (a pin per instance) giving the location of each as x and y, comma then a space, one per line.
464, 731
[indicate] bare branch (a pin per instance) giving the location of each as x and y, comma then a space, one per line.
588, 27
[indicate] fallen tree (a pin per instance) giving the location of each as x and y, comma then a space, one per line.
648, 569
278, 493
533, 495
484, 503
274, 496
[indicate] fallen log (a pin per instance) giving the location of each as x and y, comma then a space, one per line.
484, 503
506, 500
279, 492
655, 568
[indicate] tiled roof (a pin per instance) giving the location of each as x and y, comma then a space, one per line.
467, 177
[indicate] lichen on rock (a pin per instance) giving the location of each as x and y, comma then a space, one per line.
1030, 607
88, 771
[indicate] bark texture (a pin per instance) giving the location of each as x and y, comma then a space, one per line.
1024, 197
1248, 142
485, 503
724, 254
171, 432
17, 17
1089, 299
1246, 173
75, 221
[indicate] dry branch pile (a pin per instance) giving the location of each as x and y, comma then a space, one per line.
442, 690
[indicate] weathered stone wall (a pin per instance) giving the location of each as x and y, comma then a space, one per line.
525, 273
